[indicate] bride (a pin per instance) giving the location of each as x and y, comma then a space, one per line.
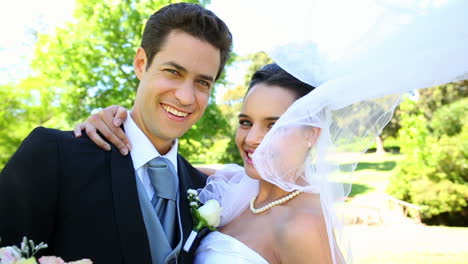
278, 226
291, 139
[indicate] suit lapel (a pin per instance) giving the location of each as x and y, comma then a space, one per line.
185, 183
189, 178
134, 242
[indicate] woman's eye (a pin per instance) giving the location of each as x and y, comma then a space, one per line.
245, 123
271, 125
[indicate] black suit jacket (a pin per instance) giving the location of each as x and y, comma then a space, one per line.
80, 200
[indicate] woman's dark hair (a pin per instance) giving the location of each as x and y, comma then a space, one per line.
191, 19
272, 74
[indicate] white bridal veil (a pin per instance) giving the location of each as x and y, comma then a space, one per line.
361, 56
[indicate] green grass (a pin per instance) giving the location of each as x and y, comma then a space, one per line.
372, 173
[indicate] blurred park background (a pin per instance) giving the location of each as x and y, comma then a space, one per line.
409, 202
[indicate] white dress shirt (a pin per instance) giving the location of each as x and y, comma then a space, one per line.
143, 151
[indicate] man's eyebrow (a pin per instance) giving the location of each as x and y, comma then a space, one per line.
182, 69
206, 77
175, 65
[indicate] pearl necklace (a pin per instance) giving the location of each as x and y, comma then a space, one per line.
271, 204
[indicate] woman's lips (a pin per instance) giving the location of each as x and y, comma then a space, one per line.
248, 157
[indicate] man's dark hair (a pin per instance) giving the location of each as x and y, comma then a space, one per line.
272, 74
191, 19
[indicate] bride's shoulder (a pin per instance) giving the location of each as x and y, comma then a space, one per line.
301, 221
303, 235
305, 212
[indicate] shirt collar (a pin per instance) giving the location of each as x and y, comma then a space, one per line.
142, 148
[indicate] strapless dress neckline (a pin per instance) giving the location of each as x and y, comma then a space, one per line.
217, 248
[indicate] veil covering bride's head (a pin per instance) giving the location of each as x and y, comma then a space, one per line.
313, 146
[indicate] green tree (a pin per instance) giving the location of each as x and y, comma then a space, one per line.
9, 113
24, 106
434, 174
429, 100
89, 63
231, 104
257, 61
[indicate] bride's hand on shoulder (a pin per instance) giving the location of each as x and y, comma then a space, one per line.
107, 122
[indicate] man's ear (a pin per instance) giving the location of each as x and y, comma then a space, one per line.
140, 63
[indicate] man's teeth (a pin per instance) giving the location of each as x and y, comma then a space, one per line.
249, 154
174, 112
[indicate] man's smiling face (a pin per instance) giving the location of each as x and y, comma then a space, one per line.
173, 92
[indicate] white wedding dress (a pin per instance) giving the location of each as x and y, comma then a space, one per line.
234, 190
217, 248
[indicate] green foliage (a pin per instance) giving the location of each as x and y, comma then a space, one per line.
430, 100
449, 119
434, 174
257, 61
9, 116
231, 104
414, 131
231, 153
201, 137
25, 105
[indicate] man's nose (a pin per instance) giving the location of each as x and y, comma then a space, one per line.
185, 93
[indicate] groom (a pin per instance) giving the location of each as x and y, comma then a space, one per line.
88, 203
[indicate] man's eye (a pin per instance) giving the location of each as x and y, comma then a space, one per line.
172, 71
204, 83
271, 125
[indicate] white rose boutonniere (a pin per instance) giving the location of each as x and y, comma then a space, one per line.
211, 213
205, 217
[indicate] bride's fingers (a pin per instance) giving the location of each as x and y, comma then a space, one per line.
92, 133
119, 115
97, 121
109, 116
78, 129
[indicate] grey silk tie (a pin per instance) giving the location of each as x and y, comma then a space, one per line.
165, 183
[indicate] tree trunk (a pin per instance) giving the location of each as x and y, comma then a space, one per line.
380, 147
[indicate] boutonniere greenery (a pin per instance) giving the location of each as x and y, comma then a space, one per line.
26, 252
206, 218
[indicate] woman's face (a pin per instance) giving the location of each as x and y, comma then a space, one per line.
262, 106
